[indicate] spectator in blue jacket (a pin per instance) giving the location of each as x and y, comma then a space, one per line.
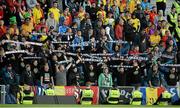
63, 28
78, 40
145, 4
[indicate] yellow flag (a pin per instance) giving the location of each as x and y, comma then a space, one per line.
151, 95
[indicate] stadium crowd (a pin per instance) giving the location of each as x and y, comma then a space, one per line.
89, 42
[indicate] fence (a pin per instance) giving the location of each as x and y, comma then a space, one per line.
2, 94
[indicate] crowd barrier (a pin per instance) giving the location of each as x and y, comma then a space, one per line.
150, 95
2, 94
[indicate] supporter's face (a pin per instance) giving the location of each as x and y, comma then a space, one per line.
99, 23
42, 21
160, 13
15, 37
78, 50
147, 17
55, 58
31, 49
114, 7
93, 39
65, 12
23, 39
121, 70
79, 33
46, 67
133, 16
28, 21
135, 63
121, 22
163, 23
81, 9
106, 70
156, 33
90, 32
91, 67
75, 70
156, 49
174, 10
155, 68
38, 6
108, 1
169, 49
116, 48
121, 15
67, 9
100, 16
104, 38
9, 67
103, 32
35, 63
138, 6
171, 42
102, 8
55, 5
28, 68
137, 48
59, 54
173, 70
93, 5
167, 33
159, 23
44, 30
154, 9
52, 15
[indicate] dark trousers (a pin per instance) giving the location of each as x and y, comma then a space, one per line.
171, 29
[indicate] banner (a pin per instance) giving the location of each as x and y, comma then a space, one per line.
59, 90
174, 93
125, 94
123, 99
150, 95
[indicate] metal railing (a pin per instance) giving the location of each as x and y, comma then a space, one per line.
2, 94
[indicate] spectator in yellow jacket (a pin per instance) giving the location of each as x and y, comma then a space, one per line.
37, 13
136, 22
155, 38
81, 13
27, 26
122, 5
55, 11
109, 20
102, 12
131, 5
